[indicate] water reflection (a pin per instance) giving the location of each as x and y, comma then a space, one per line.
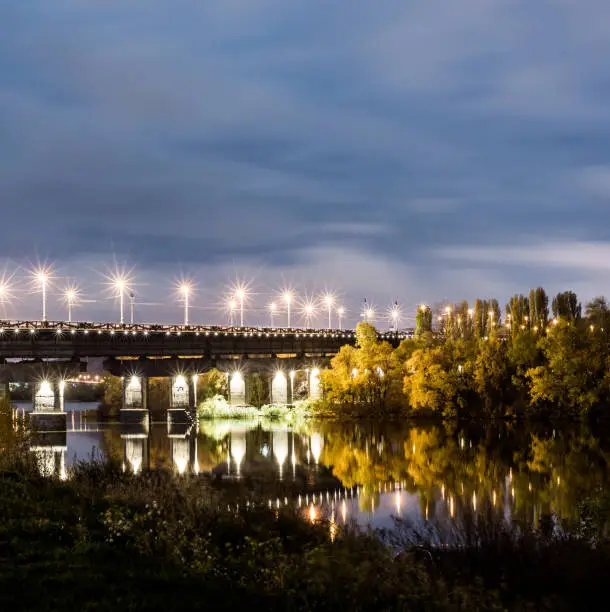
369, 473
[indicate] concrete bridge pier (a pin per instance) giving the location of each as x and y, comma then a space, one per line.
314, 390
238, 447
135, 451
183, 449
279, 442
134, 410
182, 399
238, 389
48, 400
50, 450
281, 388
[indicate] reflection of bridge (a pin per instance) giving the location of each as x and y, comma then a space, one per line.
50, 352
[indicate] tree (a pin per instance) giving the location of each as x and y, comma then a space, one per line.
494, 318
480, 308
597, 313
493, 375
423, 320
366, 377
517, 314
566, 306
439, 379
574, 377
539, 308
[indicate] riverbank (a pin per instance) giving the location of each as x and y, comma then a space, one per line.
108, 540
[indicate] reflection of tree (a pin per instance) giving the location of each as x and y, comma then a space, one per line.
525, 473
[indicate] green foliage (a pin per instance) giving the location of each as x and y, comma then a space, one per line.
574, 377
518, 315
439, 379
210, 384
539, 308
423, 320
566, 306
217, 407
365, 377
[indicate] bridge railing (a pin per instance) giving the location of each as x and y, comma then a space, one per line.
86, 327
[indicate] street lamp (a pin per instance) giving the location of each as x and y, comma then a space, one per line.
132, 306
5, 290
308, 311
329, 300
120, 284
185, 290
240, 294
287, 297
232, 307
395, 315
340, 313
42, 277
272, 309
70, 295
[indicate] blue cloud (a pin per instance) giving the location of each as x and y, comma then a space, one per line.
234, 134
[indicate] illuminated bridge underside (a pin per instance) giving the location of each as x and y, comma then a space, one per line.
27, 371
152, 368
59, 340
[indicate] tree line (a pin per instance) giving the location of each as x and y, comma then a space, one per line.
541, 357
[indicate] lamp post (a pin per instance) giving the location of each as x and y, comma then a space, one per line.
288, 299
308, 310
119, 285
232, 307
70, 299
132, 306
42, 276
395, 315
272, 309
185, 289
340, 313
329, 300
241, 294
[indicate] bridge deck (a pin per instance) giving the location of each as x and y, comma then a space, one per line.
60, 339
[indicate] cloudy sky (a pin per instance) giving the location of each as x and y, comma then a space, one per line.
415, 150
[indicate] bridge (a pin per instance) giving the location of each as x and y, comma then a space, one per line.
48, 352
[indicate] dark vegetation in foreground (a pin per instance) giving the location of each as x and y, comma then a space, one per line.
108, 540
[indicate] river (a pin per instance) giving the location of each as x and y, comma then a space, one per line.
370, 473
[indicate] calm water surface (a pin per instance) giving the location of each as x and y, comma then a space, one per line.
368, 472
